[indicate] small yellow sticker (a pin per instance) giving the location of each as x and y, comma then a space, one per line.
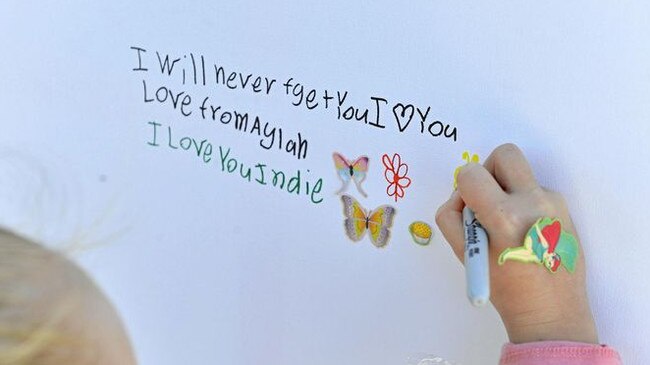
421, 232
467, 158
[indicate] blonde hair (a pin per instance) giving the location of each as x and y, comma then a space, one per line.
38, 292
51, 312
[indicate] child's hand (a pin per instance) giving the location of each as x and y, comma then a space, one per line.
534, 304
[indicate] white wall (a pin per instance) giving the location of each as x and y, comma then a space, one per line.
206, 268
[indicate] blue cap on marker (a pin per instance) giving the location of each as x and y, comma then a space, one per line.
477, 269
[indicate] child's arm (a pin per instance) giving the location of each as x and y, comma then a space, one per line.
534, 304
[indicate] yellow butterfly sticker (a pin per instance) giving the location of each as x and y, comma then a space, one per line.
358, 220
467, 158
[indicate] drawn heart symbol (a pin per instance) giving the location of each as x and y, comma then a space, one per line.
403, 115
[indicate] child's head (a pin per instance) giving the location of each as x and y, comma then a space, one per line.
52, 313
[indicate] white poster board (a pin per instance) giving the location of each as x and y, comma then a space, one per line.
208, 266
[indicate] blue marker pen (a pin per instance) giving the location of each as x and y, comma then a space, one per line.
477, 269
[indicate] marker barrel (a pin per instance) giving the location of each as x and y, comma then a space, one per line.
477, 266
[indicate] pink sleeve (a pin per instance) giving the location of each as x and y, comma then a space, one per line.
558, 352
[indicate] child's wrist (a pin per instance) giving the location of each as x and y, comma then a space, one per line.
564, 325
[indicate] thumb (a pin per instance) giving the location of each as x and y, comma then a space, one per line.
449, 219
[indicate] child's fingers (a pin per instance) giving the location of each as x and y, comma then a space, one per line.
449, 218
481, 192
510, 168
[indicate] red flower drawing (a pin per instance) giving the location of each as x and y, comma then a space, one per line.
395, 174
